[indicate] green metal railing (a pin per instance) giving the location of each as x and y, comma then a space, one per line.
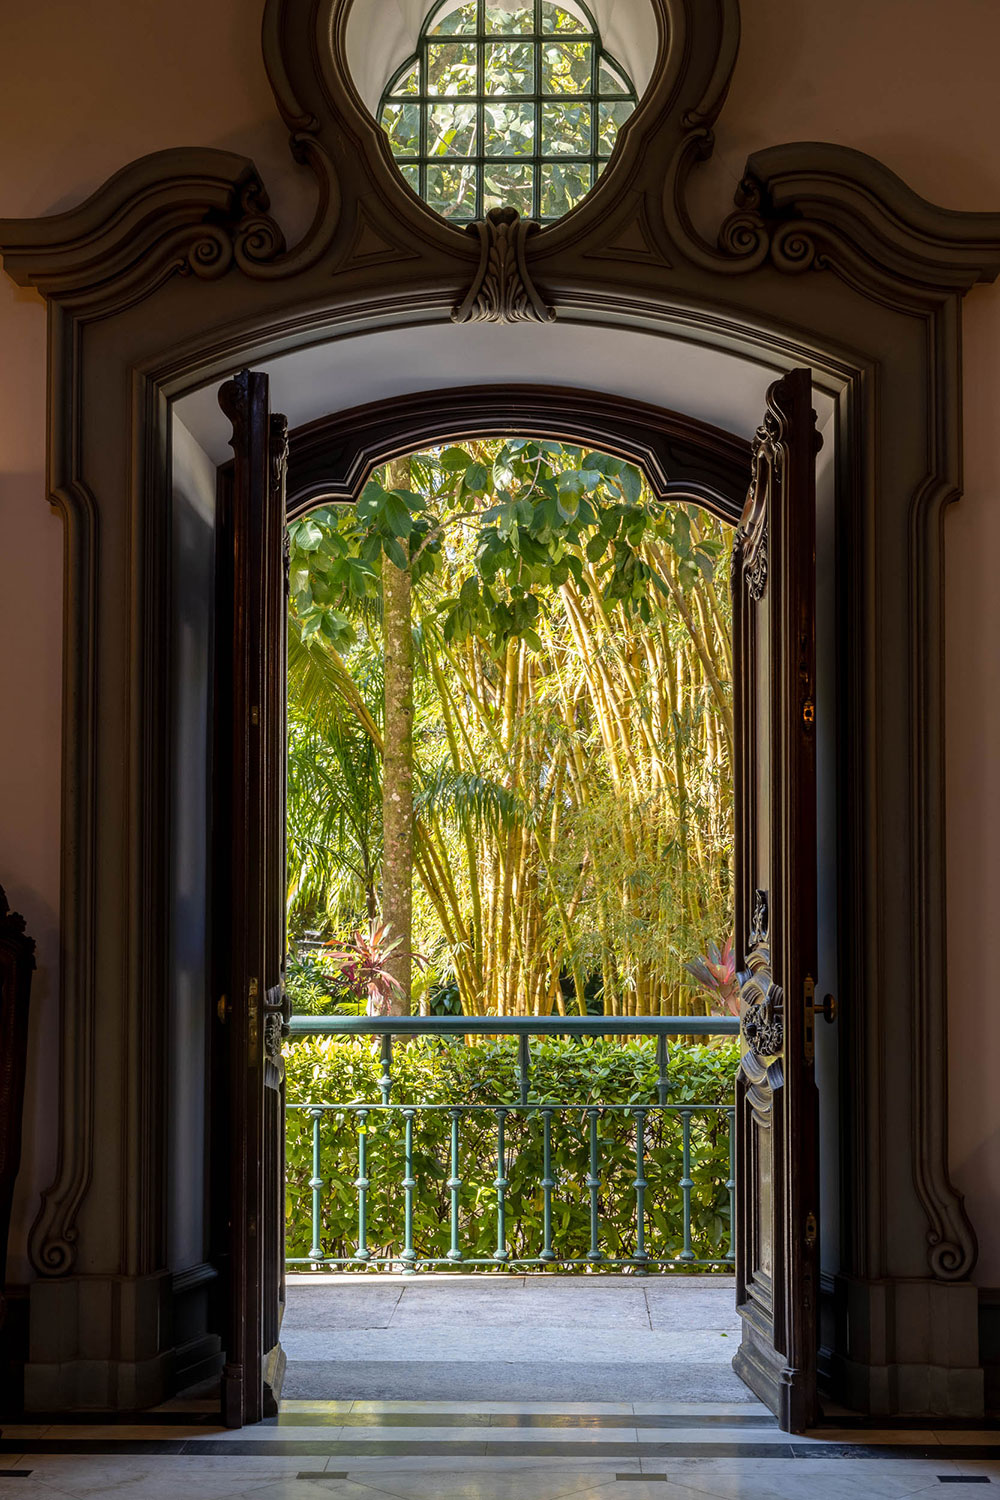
394, 1122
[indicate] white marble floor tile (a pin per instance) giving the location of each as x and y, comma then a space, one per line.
79, 1474
479, 1434
368, 1468
89, 1478
320, 1488
804, 1479
31, 1489
651, 1489
595, 1435
478, 1484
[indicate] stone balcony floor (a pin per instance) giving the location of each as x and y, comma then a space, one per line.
452, 1337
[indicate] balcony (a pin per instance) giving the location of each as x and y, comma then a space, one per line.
630, 1174
558, 1226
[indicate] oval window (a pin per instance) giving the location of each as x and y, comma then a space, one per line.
506, 108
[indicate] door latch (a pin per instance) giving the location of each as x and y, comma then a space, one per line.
827, 1009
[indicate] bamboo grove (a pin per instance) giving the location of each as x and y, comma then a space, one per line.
572, 729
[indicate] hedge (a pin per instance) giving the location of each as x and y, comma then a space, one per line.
566, 1071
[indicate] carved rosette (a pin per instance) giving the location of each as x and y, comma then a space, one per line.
274, 1023
503, 291
763, 1023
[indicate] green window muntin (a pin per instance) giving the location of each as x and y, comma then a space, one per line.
505, 108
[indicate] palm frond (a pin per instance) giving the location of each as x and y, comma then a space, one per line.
465, 797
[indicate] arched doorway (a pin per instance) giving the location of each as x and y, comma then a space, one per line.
829, 262
776, 1154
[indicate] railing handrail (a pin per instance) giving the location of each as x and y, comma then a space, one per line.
514, 1026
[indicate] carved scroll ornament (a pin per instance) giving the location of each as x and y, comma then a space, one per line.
503, 291
761, 1000
750, 548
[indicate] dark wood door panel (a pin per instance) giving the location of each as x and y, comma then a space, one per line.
250, 713
774, 588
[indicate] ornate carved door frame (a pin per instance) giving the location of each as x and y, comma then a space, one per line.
173, 275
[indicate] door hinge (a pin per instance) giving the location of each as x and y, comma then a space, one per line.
222, 1009
255, 715
809, 1018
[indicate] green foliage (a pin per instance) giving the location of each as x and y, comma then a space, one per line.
316, 987
572, 730
445, 1071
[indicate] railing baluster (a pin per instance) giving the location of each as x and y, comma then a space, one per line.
316, 1182
594, 1184
548, 1183
731, 1183
361, 1183
640, 1257
409, 1255
686, 1183
662, 1069
385, 1082
455, 1184
524, 1068
588, 1170
501, 1184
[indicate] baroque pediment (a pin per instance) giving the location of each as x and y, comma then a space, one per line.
803, 207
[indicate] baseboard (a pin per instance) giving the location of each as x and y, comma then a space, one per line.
989, 1346
13, 1350
196, 1362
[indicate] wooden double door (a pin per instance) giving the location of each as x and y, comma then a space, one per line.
773, 580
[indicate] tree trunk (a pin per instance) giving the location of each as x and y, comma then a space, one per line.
397, 763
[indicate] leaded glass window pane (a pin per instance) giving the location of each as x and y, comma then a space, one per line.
509, 22
509, 129
612, 113
451, 130
509, 185
506, 106
451, 68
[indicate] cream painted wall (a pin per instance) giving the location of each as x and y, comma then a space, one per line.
87, 88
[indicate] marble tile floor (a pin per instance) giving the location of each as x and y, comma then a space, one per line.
481, 1450
523, 1337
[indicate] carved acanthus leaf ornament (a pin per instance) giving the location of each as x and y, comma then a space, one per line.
503, 291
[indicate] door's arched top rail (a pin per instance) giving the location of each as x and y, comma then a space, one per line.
682, 458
